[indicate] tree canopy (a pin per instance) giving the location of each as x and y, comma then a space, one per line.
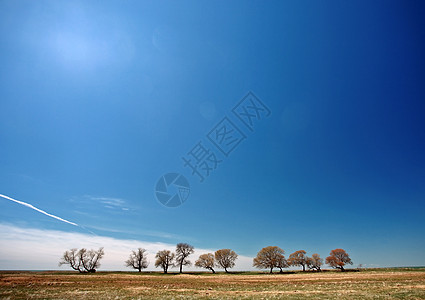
183, 250
164, 259
137, 260
225, 258
315, 262
338, 258
298, 258
270, 257
206, 261
83, 260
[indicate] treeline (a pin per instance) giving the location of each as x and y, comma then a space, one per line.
271, 257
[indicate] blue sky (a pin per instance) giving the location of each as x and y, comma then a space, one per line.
99, 99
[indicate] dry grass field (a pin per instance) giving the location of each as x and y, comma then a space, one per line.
400, 283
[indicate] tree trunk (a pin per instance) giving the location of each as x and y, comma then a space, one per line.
271, 270
181, 268
212, 270
225, 269
303, 268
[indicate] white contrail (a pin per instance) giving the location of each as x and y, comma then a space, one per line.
37, 209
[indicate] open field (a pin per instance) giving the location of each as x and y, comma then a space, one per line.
400, 283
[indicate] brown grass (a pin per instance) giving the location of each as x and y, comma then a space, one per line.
375, 284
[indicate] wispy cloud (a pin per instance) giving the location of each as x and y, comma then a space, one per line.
37, 209
47, 247
109, 202
142, 232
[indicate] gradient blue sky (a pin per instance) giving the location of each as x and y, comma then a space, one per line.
99, 99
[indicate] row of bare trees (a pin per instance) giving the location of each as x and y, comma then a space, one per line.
87, 261
223, 258
273, 257
167, 259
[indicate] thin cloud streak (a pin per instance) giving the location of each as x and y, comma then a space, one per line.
39, 210
109, 202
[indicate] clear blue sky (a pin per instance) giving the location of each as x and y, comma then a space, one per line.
99, 99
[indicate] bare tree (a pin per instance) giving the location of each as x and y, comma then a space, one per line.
270, 257
183, 250
71, 258
164, 259
298, 258
137, 260
90, 259
225, 258
315, 262
84, 261
338, 259
206, 261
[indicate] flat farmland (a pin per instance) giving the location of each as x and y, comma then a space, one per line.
400, 283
